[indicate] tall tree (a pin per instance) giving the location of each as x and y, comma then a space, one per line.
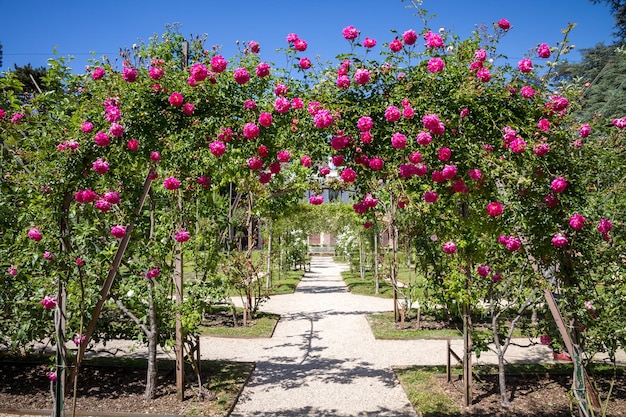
618, 9
602, 75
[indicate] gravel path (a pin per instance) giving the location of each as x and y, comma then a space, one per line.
323, 359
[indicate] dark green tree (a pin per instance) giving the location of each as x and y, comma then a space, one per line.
618, 9
602, 75
32, 78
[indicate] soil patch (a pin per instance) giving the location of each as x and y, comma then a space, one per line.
540, 395
108, 388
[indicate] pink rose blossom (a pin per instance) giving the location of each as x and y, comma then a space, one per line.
323, 119
436, 65
118, 231
250, 131
518, 145
545, 339
584, 131
558, 185
155, 156
265, 119
12, 270
543, 50
415, 157
350, 33
241, 76
217, 148
449, 172
444, 154
483, 75
544, 125
424, 138
376, 164
398, 141
369, 43
541, 149
116, 130
392, 114
48, 302
395, 45
255, 163
494, 209
218, 64
527, 91
368, 225
324, 171
86, 127
480, 55
604, 226
409, 37
449, 247
266, 177
365, 124
433, 40
102, 205
176, 99
17, 118
551, 200
171, 183
35, 234
182, 236
52, 376
199, 72
431, 197
300, 45
284, 156
112, 197
348, 175
619, 123
153, 273
484, 270
559, 240
188, 109
282, 105
262, 70
362, 76
496, 277
101, 139
305, 161
100, 166
338, 160
475, 174
156, 73
129, 74
504, 24
577, 221
98, 73
305, 63
316, 200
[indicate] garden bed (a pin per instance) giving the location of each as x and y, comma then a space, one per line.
113, 386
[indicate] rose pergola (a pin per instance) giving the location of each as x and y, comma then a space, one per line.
109, 182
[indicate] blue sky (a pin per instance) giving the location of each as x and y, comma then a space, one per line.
29, 32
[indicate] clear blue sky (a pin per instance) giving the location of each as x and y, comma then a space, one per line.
30, 31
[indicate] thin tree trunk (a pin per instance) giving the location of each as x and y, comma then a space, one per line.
376, 278
153, 336
268, 278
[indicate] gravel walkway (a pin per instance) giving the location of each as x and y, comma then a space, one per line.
323, 359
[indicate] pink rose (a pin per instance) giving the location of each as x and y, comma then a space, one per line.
48, 303
305, 63
86, 127
118, 231
558, 185
176, 99
392, 114
431, 197
543, 50
101, 139
182, 236
217, 148
494, 209
376, 164
350, 33
152, 273
306, 161
348, 175
409, 37
116, 130
559, 240
369, 43
584, 131
262, 70
97, 73
444, 154
129, 74
577, 221
449, 247
100, 166
484, 270
365, 124
398, 141
171, 183
283, 156
241, 76
218, 64
395, 45
255, 163
250, 131
316, 200
35, 234
436, 65
504, 24
188, 109
265, 119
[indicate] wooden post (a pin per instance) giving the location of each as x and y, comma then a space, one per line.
448, 364
467, 356
180, 360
